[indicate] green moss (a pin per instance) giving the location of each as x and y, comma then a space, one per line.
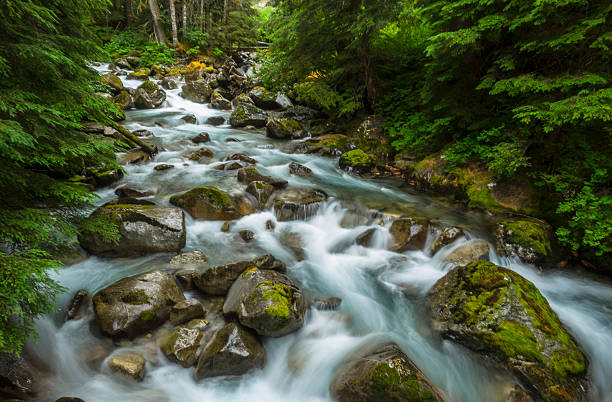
213, 194
331, 141
388, 383
137, 297
515, 339
149, 86
183, 240
358, 158
248, 271
282, 296
147, 315
528, 234
260, 185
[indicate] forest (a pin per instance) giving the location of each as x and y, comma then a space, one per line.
499, 108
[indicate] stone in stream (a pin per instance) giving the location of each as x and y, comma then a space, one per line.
296, 204
201, 138
365, 238
475, 250
131, 192
231, 165
448, 235
532, 241
113, 82
242, 98
134, 305
128, 364
76, 303
143, 133
17, 378
186, 310
207, 204
408, 234
218, 101
125, 99
299, 170
181, 344
250, 174
149, 96
198, 91
241, 157
381, 372
191, 259
162, 167
143, 229
163, 123
247, 235
200, 155
502, 316
233, 351
265, 99
69, 399
189, 119
357, 161
266, 301
169, 83
283, 129
248, 115
218, 280
215, 120
327, 303
294, 242
261, 190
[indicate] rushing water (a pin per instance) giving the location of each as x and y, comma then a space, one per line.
382, 291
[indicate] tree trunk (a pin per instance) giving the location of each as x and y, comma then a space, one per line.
184, 20
157, 27
173, 21
128, 12
208, 20
201, 15
225, 11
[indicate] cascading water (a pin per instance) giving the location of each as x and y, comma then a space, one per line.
381, 291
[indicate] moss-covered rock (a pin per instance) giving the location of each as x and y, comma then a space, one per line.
444, 238
251, 174
140, 74
264, 99
381, 372
357, 160
181, 344
197, 91
149, 95
283, 129
124, 99
501, 315
218, 101
246, 114
207, 204
326, 145
112, 81
136, 304
261, 190
532, 241
408, 234
295, 203
266, 301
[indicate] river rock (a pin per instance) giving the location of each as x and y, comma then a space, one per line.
283, 101
80, 297
381, 372
294, 242
163, 166
143, 229
190, 259
299, 170
246, 235
283, 129
475, 250
250, 174
200, 155
207, 204
215, 120
502, 316
181, 344
201, 138
241, 157
128, 364
17, 377
302, 114
198, 91
327, 303
295, 204
248, 115
532, 241
169, 83
264, 99
365, 238
149, 96
131, 192
261, 190
136, 304
112, 81
408, 234
266, 301
218, 101
189, 119
186, 310
122, 63
232, 351
448, 235
326, 145
125, 99
357, 161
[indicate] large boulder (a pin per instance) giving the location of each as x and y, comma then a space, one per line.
124, 99
467, 253
128, 364
381, 372
295, 204
250, 174
532, 241
265, 99
207, 204
502, 316
233, 351
218, 101
197, 91
149, 96
266, 301
248, 115
181, 344
357, 161
283, 129
408, 234
143, 229
136, 304
261, 190
17, 377
112, 81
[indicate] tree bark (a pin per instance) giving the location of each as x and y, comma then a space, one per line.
184, 20
128, 12
208, 20
157, 27
173, 21
225, 11
201, 15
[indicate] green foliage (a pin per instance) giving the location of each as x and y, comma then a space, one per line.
197, 39
135, 42
317, 94
157, 53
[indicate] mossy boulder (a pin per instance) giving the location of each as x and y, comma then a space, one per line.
266, 301
295, 203
283, 129
207, 204
182, 344
261, 190
242, 98
501, 315
408, 234
381, 372
218, 101
169, 83
246, 114
233, 351
532, 241
112, 81
140, 74
134, 305
149, 95
201, 155
326, 145
264, 99
198, 91
357, 161
143, 229
124, 99
186, 310
250, 174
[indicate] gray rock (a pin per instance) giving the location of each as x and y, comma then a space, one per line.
283, 129
250, 174
77, 301
201, 138
190, 119
186, 310
207, 204
200, 155
198, 91
248, 115
296, 204
448, 235
149, 96
128, 364
299, 170
408, 234
264, 99
215, 120
365, 238
217, 101
261, 190
169, 83
17, 377
475, 250
191, 259
181, 344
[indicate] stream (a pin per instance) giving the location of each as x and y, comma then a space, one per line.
382, 292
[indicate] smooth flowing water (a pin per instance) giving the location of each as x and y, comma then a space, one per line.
382, 291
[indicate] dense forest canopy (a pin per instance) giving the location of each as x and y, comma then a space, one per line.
519, 88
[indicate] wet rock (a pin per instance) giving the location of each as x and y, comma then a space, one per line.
299, 170
233, 351
242, 98
169, 83
241, 157
202, 154
69, 399
232, 165
232, 139
191, 259
136, 304
408, 234
77, 301
357, 161
149, 96
448, 235
250, 174
198, 91
181, 344
215, 120
131, 192
294, 242
128, 364
296, 204
143, 229
365, 238
217, 101
283, 101
207, 204
327, 145
133, 60
190, 119
327, 303
163, 166
122, 63
225, 227
133, 157
475, 250
282, 129
270, 225
261, 190
246, 235
501, 315
186, 310
143, 133
112, 81
264, 99
17, 377
163, 123
186, 278
266, 301
532, 241
125, 99
302, 114
518, 394
381, 372
248, 115
201, 138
